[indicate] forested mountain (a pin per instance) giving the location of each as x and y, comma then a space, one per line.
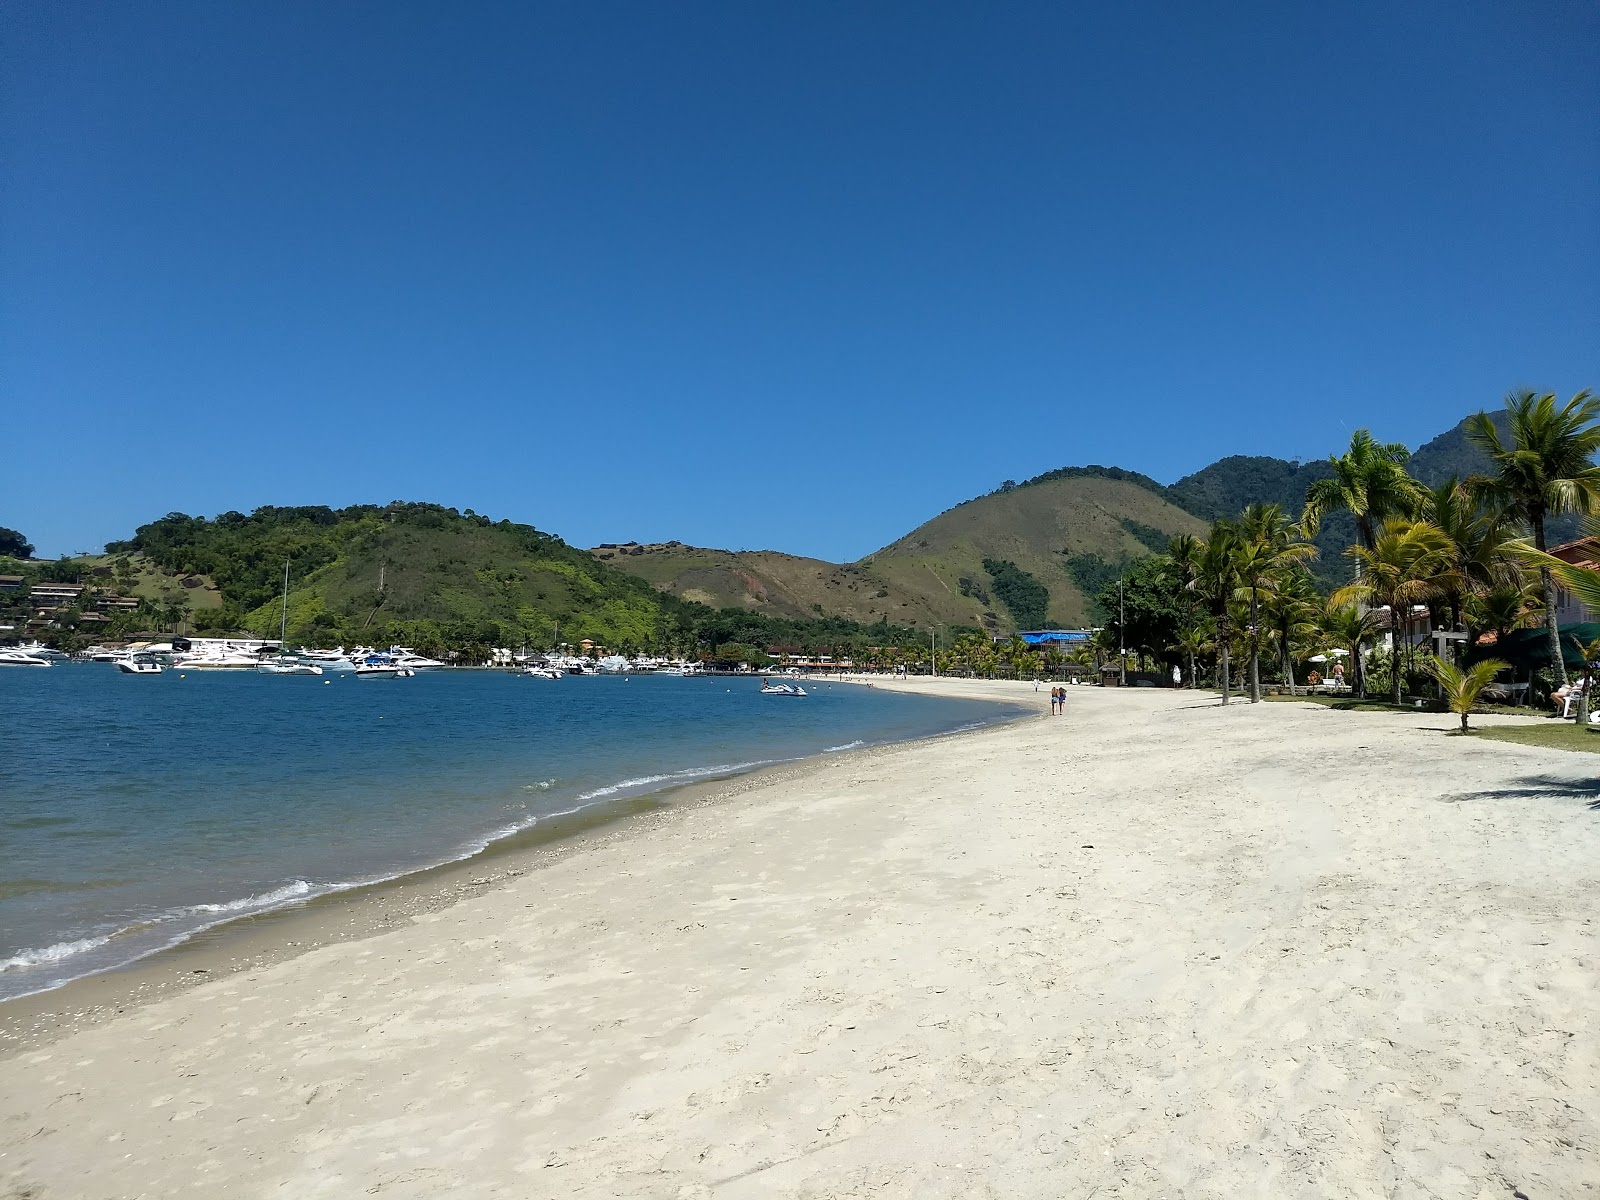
424, 575
1064, 534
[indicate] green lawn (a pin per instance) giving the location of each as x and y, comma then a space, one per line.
1349, 704
1555, 735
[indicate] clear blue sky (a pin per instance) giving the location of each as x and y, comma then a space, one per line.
754, 275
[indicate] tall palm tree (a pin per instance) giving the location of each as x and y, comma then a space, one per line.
1215, 581
1369, 481
1269, 546
1547, 468
1485, 555
1400, 570
1290, 617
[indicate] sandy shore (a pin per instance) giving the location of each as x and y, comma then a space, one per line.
1153, 948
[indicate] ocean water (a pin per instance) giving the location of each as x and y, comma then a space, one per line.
137, 810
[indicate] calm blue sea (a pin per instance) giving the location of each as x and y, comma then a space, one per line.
137, 810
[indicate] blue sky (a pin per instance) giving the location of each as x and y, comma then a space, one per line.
746, 275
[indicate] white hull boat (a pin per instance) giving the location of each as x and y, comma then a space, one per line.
768, 688
139, 666
288, 668
16, 658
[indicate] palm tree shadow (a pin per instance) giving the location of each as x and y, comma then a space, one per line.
1538, 787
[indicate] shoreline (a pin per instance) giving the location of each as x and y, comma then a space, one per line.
258, 940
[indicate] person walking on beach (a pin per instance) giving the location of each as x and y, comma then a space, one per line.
1054, 698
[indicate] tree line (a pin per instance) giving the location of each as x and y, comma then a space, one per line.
1468, 554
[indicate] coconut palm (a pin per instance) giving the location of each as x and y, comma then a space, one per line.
1369, 481
1215, 582
1348, 628
1400, 570
1269, 546
1191, 642
1547, 468
1462, 687
1289, 615
1485, 554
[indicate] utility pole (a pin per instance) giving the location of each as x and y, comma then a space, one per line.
1122, 638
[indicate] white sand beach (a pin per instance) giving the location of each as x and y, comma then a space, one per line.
1154, 948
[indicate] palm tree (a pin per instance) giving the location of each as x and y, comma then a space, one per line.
1215, 581
1548, 468
1400, 570
1269, 546
1462, 688
1485, 556
1369, 481
1348, 628
1289, 614
1191, 642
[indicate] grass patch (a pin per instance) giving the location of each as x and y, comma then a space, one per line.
1551, 735
1351, 704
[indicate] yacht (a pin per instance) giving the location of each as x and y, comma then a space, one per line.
216, 660
407, 657
542, 670
770, 688
18, 658
139, 664
377, 666
613, 664
38, 650
288, 666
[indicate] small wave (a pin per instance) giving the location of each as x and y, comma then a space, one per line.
289, 891
543, 785
52, 954
857, 744
645, 781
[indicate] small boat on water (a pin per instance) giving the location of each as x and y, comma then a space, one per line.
17, 658
541, 671
770, 688
139, 664
217, 660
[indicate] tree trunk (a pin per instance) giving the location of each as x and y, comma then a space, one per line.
1463, 720
1190, 681
1394, 652
1255, 649
1222, 662
1558, 666
1547, 582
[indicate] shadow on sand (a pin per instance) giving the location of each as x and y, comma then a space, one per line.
1538, 787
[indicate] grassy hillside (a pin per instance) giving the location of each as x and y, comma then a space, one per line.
782, 585
407, 572
1057, 529
1043, 532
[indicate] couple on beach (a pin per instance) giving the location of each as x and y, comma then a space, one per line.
1058, 701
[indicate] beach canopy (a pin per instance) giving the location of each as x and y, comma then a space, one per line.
1529, 649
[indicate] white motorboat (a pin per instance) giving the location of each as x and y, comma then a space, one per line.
541, 671
405, 656
769, 688
288, 666
139, 664
377, 666
39, 650
16, 658
217, 660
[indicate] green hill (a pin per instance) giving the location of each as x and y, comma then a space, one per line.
414, 573
1024, 555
